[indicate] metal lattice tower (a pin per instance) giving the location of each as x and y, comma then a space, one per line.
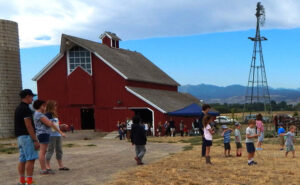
257, 89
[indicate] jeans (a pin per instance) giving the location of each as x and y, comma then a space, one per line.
54, 144
140, 151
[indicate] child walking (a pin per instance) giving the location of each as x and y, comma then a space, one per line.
290, 139
208, 132
226, 134
250, 135
238, 139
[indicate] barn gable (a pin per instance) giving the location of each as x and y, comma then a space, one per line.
130, 65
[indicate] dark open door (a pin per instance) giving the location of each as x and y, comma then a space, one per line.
87, 119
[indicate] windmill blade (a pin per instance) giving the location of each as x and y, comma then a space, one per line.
263, 15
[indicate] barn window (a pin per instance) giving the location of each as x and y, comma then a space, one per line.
79, 56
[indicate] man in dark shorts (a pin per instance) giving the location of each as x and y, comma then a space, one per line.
205, 110
27, 140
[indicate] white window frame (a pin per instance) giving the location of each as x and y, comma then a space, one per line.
68, 63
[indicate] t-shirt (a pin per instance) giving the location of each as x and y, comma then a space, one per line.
181, 126
53, 132
281, 130
227, 136
289, 138
251, 132
40, 127
22, 111
146, 127
260, 126
238, 137
129, 123
207, 134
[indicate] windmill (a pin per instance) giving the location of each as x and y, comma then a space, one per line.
257, 89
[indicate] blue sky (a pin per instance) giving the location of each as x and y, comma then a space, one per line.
217, 58
195, 42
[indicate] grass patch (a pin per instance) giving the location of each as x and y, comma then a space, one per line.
86, 138
9, 150
188, 147
69, 145
91, 145
172, 142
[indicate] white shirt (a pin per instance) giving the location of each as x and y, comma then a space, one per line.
129, 123
207, 134
146, 126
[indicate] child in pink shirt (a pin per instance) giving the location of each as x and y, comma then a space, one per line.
260, 131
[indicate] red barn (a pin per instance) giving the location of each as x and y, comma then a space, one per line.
97, 85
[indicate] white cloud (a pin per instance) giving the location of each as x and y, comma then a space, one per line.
135, 19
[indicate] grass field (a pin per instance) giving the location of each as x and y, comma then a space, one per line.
187, 167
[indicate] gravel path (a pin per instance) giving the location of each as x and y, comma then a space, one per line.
93, 164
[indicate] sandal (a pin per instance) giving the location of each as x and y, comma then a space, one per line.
64, 169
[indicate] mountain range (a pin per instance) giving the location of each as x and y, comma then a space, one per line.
236, 93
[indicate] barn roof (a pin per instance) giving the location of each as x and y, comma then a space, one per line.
163, 100
130, 65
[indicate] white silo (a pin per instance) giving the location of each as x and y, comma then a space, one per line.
10, 76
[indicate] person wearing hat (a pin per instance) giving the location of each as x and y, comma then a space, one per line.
281, 133
238, 139
27, 141
226, 134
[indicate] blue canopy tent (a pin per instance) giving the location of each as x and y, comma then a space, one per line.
192, 110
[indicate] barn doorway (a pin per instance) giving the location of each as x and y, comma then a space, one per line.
146, 115
87, 119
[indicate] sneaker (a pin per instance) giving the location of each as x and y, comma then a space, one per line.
254, 162
50, 171
251, 163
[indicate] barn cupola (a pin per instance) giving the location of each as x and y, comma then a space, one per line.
110, 39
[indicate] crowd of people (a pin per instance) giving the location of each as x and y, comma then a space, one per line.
205, 126
37, 131
41, 131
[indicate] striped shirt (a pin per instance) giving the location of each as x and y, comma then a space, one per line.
227, 136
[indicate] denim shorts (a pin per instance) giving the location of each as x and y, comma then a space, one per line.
44, 138
26, 148
261, 137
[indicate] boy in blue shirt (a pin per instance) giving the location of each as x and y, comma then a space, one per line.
226, 134
281, 133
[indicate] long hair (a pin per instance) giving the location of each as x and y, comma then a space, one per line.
206, 120
50, 108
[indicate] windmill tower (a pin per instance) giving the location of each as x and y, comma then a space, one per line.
257, 89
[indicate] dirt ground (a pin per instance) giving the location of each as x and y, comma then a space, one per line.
92, 160
189, 168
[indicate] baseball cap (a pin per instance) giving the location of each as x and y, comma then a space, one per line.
26, 92
237, 124
224, 126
